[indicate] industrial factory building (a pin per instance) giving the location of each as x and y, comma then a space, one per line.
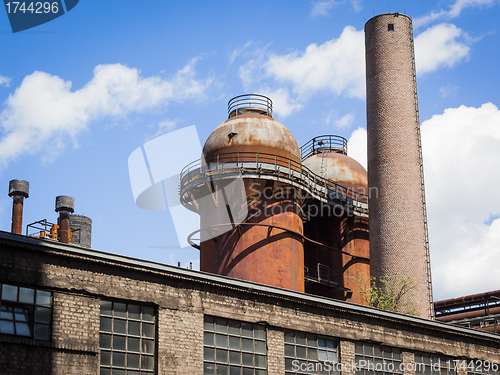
286, 233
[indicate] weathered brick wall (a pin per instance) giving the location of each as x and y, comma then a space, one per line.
78, 285
347, 357
397, 215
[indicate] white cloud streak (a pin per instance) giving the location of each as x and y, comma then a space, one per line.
453, 11
438, 47
4, 81
336, 65
461, 150
43, 114
323, 8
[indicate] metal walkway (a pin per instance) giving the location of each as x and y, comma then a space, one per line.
270, 167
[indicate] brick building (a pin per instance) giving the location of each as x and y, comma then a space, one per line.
70, 310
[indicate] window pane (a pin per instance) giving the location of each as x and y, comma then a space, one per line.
42, 332
259, 332
148, 346
118, 359
120, 310
246, 330
300, 338
106, 324
260, 361
221, 341
6, 312
235, 358
27, 295
208, 325
105, 357
301, 351
147, 362
221, 325
42, 298
119, 326
9, 292
23, 329
133, 360
260, 347
134, 312
148, 313
247, 345
22, 314
234, 370
289, 350
221, 355
118, 342
289, 337
134, 328
209, 354
106, 307
208, 369
42, 315
312, 353
133, 344
208, 339
7, 327
105, 341
148, 330
247, 359
234, 343
234, 328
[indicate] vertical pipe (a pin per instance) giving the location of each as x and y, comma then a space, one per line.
65, 206
18, 190
398, 223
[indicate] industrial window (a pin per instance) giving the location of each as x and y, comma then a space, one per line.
127, 339
427, 364
233, 347
310, 354
25, 312
376, 359
390, 27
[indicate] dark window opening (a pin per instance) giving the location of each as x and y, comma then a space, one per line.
390, 27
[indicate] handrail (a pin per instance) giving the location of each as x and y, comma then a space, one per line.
274, 166
250, 103
324, 143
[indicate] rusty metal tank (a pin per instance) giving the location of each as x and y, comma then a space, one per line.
337, 228
267, 247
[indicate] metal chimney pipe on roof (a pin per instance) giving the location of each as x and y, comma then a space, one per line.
64, 205
18, 190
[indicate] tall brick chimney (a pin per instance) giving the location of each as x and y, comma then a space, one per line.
398, 221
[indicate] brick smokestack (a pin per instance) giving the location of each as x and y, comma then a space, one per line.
398, 223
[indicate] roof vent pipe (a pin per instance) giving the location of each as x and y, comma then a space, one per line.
64, 205
18, 190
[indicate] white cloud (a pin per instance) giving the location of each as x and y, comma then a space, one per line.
454, 11
336, 65
345, 121
43, 113
283, 104
357, 147
4, 81
438, 47
461, 150
322, 8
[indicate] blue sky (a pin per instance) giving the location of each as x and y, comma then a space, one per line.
79, 94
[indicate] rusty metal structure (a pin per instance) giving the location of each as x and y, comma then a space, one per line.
399, 243
480, 311
18, 190
64, 205
342, 268
267, 244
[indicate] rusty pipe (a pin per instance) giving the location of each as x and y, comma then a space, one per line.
466, 300
64, 205
18, 190
469, 314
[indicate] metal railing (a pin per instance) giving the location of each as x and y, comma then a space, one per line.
324, 143
250, 103
272, 167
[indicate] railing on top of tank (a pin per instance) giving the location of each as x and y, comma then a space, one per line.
250, 103
264, 164
324, 143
